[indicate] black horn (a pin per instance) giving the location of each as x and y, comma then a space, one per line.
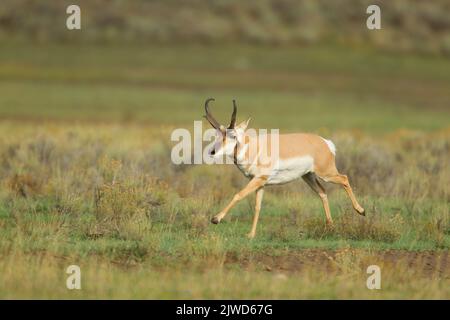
233, 116
208, 115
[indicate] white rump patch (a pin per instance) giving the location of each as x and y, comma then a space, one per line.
330, 145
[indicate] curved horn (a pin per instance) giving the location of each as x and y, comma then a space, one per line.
233, 116
208, 115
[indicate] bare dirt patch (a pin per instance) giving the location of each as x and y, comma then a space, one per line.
423, 263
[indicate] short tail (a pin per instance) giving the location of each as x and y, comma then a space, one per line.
330, 145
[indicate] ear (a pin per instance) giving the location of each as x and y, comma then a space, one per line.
243, 125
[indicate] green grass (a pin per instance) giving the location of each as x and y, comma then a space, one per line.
106, 197
339, 90
40, 228
44, 277
86, 177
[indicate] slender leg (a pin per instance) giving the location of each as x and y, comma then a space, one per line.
311, 180
252, 186
343, 181
259, 197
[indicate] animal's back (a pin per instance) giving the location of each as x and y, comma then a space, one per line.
296, 155
294, 144
301, 153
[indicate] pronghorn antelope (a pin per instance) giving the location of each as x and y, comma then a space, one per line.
304, 155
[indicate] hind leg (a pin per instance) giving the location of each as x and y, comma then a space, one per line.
342, 179
311, 180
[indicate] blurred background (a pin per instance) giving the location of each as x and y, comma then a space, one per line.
292, 64
86, 176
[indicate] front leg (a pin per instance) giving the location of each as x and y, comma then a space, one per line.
253, 185
259, 197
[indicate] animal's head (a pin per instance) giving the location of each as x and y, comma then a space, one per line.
226, 137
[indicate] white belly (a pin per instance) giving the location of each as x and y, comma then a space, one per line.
290, 169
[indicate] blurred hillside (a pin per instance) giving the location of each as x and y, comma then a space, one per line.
407, 25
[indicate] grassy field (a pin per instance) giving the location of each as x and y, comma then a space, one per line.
86, 176
328, 88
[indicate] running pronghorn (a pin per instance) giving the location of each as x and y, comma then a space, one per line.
304, 155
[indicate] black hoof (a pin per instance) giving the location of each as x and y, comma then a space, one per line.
215, 220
